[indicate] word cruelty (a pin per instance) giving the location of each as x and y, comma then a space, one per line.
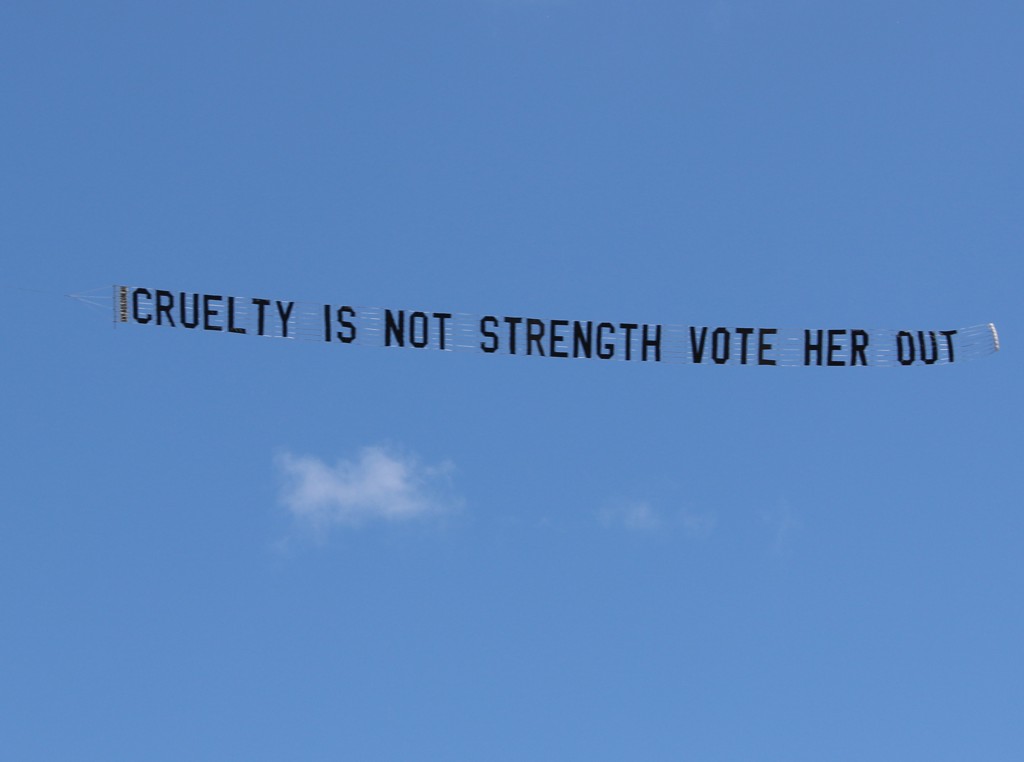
344, 324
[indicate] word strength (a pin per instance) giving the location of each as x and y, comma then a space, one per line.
603, 340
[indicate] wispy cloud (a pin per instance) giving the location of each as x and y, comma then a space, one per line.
636, 516
377, 485
697, 524
640, 516
783, 524
527, 3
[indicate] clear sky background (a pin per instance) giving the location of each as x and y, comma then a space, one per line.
510, 558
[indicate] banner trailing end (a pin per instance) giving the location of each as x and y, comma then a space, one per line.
121, 304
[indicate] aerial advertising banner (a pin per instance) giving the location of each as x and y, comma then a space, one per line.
343, 325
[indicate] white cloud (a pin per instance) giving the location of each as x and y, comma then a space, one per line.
376, 485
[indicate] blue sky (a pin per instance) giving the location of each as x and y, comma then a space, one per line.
217, 546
